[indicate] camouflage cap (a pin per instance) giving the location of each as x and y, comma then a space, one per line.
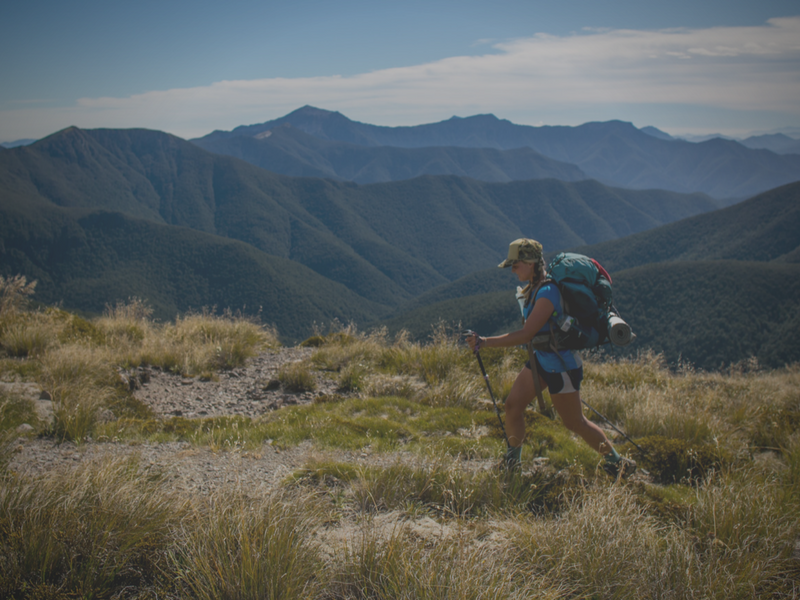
522, 249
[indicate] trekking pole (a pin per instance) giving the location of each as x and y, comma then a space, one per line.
642, 450
477, 354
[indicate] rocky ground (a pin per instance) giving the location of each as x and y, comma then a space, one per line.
249, 391
245, 391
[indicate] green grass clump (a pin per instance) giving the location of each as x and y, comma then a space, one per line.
675, 460
439, 486
381, 424
297, 378
81, 382
15, 411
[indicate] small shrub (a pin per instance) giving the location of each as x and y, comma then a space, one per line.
297, 378
315, 341
16, 410
352, 378
29, 335
14, 293
77, 329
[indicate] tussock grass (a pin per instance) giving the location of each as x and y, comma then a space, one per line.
87, 533
388, 565
605, 546
742, 523
439, 486
28, 336
77, 361
196, 344
235, 546
717, 519
297, 377
81, 382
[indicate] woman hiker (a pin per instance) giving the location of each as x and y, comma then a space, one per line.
561, 374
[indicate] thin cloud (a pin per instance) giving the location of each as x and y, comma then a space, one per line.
731, 68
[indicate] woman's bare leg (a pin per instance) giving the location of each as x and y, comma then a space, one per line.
522, 392
570, 410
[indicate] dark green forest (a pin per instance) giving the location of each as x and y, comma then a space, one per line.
100, 216
709, 290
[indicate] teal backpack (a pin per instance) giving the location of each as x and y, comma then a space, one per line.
589, 316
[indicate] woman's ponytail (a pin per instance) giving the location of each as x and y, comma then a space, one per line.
536, 281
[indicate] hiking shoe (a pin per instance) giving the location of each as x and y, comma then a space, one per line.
506, 465
622, 469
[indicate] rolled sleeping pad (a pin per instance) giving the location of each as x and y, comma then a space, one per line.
619, 332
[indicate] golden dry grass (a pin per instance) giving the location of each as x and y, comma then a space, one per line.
718, 519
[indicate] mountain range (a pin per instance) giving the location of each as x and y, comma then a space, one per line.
97, 216
288, 150
615, 152
779, 143
385, 242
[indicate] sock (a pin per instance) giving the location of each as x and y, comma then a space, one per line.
613, 457
513, 456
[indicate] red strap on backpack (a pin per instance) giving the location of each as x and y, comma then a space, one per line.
603, 272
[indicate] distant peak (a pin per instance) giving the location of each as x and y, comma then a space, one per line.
313, 111
656, 133
71, 130
484, 117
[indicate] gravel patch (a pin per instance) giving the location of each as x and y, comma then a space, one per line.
249, 391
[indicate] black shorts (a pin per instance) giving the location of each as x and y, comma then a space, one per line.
560, 383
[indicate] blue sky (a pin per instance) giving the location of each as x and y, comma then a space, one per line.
728, 66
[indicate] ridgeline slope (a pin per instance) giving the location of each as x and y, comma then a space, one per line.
614, 152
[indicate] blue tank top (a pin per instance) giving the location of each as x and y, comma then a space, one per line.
550, 361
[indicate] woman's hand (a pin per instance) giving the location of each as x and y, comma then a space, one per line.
475, 341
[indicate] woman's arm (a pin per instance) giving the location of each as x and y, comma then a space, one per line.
538, 317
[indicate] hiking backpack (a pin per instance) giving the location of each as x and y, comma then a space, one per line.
589, 318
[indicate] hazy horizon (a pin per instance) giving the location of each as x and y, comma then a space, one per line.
187, 68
